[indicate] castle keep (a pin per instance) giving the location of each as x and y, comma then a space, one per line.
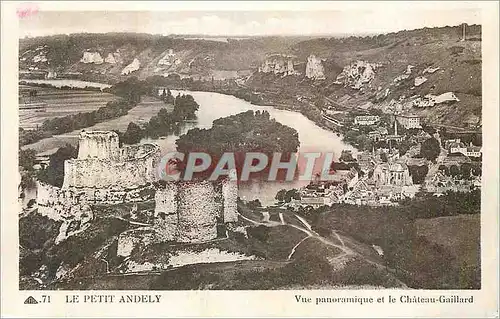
101, 164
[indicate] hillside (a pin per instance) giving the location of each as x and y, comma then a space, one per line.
405, 71
256, 253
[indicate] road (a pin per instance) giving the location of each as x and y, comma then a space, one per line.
434, 167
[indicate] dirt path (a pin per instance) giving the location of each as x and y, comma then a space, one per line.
346, 251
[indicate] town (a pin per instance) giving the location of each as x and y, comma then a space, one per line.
401, 156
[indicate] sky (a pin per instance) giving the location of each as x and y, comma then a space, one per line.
251, 23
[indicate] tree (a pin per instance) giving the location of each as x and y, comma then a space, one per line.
383, 157
430, 149
403, 148
166, 96
133, 134
418, 173
346, 156
292, 193
477, 170
428, 129
454, 170
444, 169
27, 159
254, 203
465, 170
54, 173
280, 196
364, 142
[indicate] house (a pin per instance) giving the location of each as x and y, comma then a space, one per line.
409, 121
42, 160
473, 151
447, 143
333, 118
457, 147
348, 177
441, 183
361, 194
366, 119
365, 160
314, 201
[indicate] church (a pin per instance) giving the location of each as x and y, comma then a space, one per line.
392, 174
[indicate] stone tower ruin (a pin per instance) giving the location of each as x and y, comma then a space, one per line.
99, 144
189, 211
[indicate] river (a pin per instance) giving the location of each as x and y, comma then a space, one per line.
213, 106
216, 105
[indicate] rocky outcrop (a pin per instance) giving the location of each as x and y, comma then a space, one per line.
405, 75
430, 70
113, 58
430, 100
210, 255
168, 58
132, 67
357, 74
279, 64
314, 68
182, 257
419, 80
92, 57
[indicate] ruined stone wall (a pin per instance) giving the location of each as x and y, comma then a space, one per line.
166, 215
197, 212
59, 204
56, 203
106, 173
116, 195
229, 201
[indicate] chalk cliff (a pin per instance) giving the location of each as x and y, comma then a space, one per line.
92, 57
113, 58
279, 64
314, 68
132, 67
357, 74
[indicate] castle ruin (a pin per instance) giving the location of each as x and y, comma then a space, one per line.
104, 173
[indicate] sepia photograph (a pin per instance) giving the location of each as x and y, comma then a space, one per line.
249, 150
249, 159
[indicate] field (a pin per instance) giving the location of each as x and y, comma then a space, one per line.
61, 103
146, 109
